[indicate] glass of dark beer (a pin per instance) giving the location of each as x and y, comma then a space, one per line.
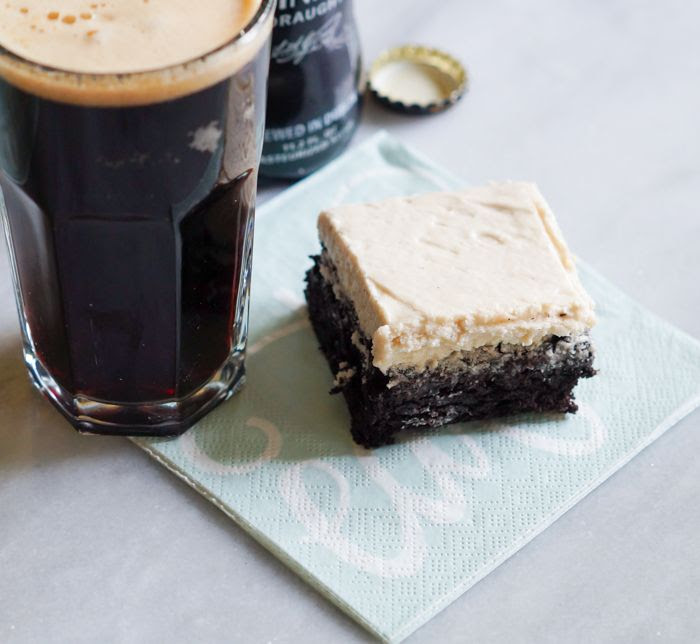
128, 209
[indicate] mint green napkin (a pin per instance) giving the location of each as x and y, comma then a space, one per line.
394, 535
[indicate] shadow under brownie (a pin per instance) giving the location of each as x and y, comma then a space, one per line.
453, 383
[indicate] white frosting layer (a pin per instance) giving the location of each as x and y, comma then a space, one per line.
439, 273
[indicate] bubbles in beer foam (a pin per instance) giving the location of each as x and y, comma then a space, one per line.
120, 36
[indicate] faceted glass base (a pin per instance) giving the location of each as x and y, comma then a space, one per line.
156, 418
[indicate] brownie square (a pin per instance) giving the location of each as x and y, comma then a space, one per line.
512, 336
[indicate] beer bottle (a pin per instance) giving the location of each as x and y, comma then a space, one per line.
314, 98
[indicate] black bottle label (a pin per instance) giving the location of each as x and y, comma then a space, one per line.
313, 101
328, 33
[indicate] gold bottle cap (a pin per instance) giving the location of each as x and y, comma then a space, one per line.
417, 80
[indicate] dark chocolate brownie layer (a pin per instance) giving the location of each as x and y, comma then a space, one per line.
486, 383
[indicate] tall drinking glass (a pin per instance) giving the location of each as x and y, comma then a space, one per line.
128, 209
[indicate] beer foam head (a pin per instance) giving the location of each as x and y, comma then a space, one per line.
122, 43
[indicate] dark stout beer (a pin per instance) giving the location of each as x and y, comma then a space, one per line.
130, 229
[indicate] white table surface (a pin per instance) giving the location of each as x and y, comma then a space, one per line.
599, 102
